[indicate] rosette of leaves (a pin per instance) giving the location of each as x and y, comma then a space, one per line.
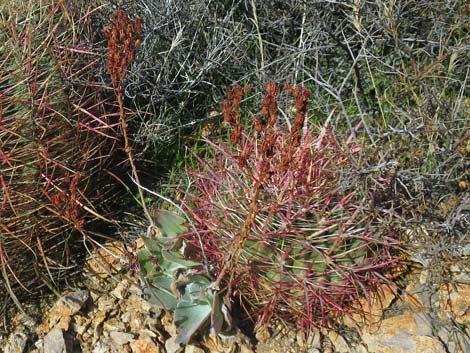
272, 209
177, 284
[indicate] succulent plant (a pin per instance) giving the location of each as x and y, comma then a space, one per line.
278, 227
177, 284
57, 136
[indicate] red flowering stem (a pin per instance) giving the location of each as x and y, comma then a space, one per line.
123, 40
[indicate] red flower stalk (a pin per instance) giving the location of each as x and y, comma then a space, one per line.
231, 110
123, 40
284, 239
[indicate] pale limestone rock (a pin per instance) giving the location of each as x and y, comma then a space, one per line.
407, 333
106, 303
338, 342
417, 296
455, 303
54, 342
120, 338
114, 324
99, 318
171, 346
72, 302
144, 333
372, 309
16, 343
193, 349
81, 324
359, 348
456, 341
169, 325
101, 346
310, 341
227, 343
134, 319
120, 291
137, 313
97, 324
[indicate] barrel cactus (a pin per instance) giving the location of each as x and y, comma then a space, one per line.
276, 223
57, 134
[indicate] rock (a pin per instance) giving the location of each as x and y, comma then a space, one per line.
373, 309
106, 261
120, 338
328, 347
407, 333
98, 328
134, 319
456, 340
106, 303
54, 342
64, 308
263, 333
169, 325
237, 342
338, 342
114, 324
193, 349
75, 300
147, 333
81, 324
314, 340
424, 276
99, 318
171, 346
120, 291
417, 296
16, 343
455, 303
424, 326
138, 311
463, 341
101, 346
359, 348
145, 345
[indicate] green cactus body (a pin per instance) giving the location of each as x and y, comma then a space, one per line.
288, 241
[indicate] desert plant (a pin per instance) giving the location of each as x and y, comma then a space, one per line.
195, 48
176, 284
409, 58
276, 222
57, 137
123, 40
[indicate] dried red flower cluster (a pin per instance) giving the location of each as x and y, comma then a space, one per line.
68, 201
123, 40
269, 134
282, 234
301, 96
269, 109
231, 110
266, 126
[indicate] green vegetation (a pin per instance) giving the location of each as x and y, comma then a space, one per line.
57, 137
385, 130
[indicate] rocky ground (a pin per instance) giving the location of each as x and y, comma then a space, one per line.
108, 314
